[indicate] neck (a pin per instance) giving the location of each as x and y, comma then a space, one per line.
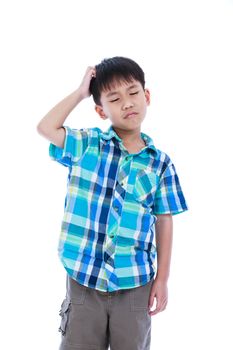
129, 136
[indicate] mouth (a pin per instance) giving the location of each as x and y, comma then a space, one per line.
130, 115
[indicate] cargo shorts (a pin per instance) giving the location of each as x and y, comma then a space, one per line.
95, 320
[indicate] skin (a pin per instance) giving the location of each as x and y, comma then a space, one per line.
127, 98
159, 289
122, 99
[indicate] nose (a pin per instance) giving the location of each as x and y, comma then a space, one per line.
127, 104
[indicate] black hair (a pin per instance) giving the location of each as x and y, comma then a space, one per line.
114, 69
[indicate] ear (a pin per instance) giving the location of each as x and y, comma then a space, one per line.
147, 95
100, 111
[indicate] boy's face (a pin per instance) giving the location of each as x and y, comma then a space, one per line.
125, 104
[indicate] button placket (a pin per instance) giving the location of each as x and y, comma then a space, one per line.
115, 214
116, 209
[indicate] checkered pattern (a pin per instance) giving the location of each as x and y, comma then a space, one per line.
108, 227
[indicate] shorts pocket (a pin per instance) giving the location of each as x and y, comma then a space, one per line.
145, 187
64, 313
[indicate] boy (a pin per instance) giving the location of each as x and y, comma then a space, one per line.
121, 191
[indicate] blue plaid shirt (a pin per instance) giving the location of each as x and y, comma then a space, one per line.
108, 228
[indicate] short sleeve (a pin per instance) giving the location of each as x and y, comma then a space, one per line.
75, 144
169, 198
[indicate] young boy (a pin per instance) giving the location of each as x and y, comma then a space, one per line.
121, 195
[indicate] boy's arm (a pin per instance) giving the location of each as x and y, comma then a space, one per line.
164, 235
51, 124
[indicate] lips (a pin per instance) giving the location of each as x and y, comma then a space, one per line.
130, 115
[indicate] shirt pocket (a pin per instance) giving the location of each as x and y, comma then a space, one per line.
146, 184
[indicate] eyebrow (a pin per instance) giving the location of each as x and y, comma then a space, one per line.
116, 92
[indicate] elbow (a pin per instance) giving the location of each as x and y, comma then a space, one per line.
38, 128
41, 129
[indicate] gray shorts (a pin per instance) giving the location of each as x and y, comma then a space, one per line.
95, 320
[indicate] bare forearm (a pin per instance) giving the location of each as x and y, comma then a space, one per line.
164, 235
56, 117
159, 290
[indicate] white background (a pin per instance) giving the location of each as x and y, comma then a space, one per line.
186, 50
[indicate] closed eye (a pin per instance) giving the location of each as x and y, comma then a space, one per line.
116, 99
132, 93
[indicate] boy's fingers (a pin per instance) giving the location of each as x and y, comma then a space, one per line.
90, 71
90, 68
151, 301
160, 306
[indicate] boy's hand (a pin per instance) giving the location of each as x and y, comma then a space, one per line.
85, 84
159, 291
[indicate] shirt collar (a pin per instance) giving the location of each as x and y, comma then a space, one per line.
110, 133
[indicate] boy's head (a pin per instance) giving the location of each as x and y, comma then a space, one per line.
112, 70
118, 89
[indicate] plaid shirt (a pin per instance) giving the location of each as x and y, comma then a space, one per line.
108, 227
